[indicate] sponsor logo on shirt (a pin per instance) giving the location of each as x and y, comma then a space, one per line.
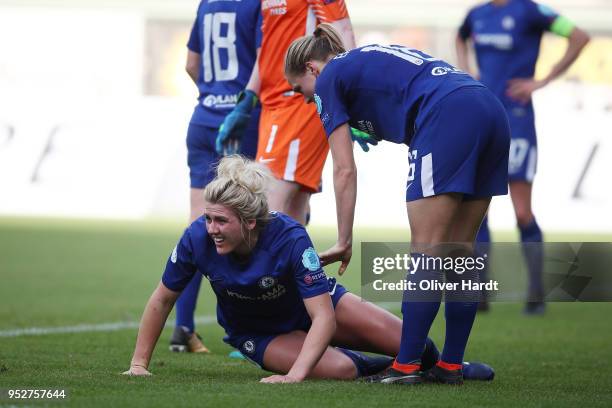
313, 277
368, 127
276, 7
500, 41
220, 101
274, 293
173, 256
310, 259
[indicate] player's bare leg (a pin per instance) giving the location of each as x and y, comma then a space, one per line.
281, 353
520, 192
531, 237
196, 200
288, 198
466, 224
433, 221
364, 326
300, 205
182, 338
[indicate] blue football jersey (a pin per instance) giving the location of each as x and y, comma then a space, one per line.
263, 294
507, 41
385, 91
226, 34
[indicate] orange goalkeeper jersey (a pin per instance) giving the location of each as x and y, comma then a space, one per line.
283, 22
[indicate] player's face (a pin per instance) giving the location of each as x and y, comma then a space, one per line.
304, 84
225, 229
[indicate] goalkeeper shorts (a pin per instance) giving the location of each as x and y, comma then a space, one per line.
292, 143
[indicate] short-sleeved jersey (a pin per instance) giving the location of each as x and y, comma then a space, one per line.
263, 294
226, 34
385, 91
283, 22
506, 40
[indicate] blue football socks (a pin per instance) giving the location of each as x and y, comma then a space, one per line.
531, 237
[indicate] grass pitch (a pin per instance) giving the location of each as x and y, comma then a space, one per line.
55, 274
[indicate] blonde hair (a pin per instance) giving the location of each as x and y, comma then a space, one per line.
323, 43
241, 185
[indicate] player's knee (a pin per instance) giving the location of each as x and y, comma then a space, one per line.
428, 237
345, 369
524, 216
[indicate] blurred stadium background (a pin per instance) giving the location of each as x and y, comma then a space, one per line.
94, 107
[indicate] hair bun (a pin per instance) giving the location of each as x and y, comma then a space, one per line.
246, 173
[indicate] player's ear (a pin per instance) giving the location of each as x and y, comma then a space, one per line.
250, 224
311, 68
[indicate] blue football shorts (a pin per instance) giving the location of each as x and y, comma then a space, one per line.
202, 157
461, 147
253, 345
523, 156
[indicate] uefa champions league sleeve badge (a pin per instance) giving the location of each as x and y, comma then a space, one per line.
310, 260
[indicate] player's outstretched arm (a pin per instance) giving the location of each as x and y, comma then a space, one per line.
321, 312
345, 188
153, 319
229, 138
521, 89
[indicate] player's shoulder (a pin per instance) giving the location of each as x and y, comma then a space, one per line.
528, 4
281, 233
240, 7
526, 8
251, 4
479, 7
340, 62
326, 3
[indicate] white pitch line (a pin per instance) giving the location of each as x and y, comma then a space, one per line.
85, 328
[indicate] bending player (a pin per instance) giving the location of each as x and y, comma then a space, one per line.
458, 138
221, 55
506, 36
274, 300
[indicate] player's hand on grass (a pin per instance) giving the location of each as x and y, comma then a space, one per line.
279, 379
363, 139
337, 253
137, 370
229, 139
521, 89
